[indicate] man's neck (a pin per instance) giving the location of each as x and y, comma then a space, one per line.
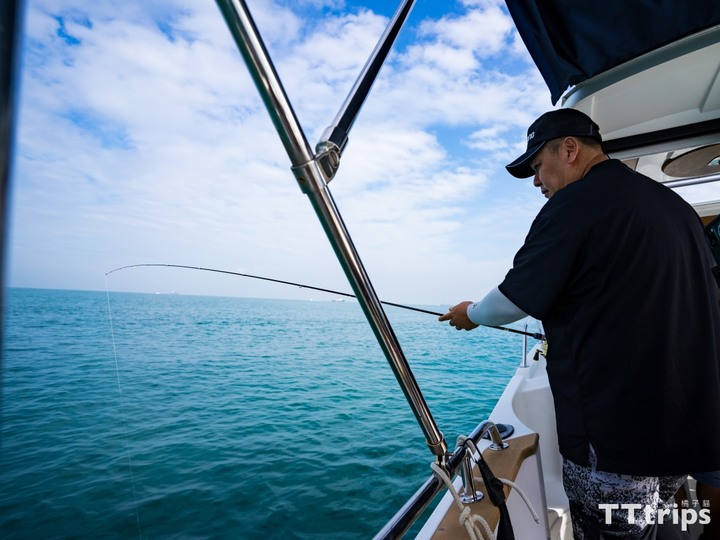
591, 162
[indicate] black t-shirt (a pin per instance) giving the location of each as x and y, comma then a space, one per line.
617, 268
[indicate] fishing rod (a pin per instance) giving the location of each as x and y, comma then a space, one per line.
535, 335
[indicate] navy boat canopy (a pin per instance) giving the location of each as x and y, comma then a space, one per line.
573, 40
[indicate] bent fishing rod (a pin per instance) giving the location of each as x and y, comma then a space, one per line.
534, 335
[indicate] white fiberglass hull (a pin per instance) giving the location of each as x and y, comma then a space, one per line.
527, 405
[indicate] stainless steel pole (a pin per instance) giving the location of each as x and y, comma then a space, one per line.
337, 132
12, 13
313, 183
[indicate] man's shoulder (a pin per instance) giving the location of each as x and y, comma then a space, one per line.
611, 182
612, 170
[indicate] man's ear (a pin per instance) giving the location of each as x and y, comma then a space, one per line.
570, 147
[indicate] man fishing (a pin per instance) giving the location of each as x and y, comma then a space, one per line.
617, 268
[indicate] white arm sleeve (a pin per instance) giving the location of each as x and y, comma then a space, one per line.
494, 309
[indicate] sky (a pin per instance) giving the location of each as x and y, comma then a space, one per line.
141, 139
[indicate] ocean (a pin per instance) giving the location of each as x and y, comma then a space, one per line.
170, 416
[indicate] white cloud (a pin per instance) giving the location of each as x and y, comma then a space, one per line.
484, 30
142, 139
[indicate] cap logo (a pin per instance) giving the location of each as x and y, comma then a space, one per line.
530, 136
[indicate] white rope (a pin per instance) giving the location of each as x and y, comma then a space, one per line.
466, 519
524, 497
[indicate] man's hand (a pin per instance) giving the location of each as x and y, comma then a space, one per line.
458, 317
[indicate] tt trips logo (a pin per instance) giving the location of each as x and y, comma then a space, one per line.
684, 516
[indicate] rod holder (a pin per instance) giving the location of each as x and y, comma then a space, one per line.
492, 431
470, 494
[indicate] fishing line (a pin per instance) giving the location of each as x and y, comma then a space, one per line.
534, 335
122, 410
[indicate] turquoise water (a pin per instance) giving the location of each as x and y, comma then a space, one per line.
208, 417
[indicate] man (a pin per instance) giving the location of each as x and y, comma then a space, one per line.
617, 268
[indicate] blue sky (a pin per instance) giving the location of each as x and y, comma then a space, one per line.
142, 140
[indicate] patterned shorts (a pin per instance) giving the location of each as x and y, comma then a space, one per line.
594, 496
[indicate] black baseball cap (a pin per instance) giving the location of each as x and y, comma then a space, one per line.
552, 125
